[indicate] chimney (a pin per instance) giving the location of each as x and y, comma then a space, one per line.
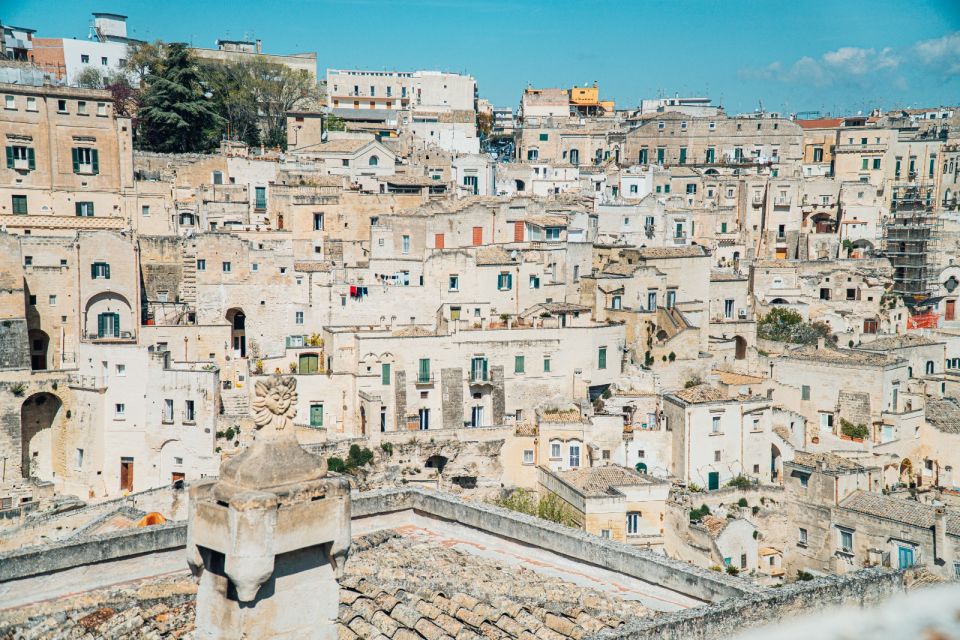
259, 46
940, 549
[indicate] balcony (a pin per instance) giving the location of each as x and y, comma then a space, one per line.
680, 240
782, 201
125, 336
425, 381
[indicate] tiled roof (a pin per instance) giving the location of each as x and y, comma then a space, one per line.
394, 587
691, 251
561, 415
733, 378
831, 461
900, 510
821, 123
701, 393
943, 414
714, 525
598, 481
547, 221
620, 269
898, 342
493, 255
839, 356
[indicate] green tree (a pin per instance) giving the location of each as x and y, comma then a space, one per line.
144, 58
175, 115
90, 78
786, 325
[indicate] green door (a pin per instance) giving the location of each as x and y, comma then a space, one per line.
713, 480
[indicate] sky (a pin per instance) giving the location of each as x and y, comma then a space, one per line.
837, 56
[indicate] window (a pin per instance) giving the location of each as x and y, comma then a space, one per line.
121, 370
189, 411
876, 163
534, 281
660, 154
574, 451
10, 102
405, 245
298, 317
617, 302
33, 297
201, 264
715, 424
802, 537
553, 234
818, 154
453, 282
728, 308
846, 540
316, 414
671, 298
21, 158
824, 293
100, 271
805, 392
84, 58
81, 108
84, 209
423, 374
119, 410
260, 202
716, 455
308, 364
691, 188
533, 154
52, 300
544, 136
555, 450
660, 125
168, 410
385, 373
108, 325
78, 459
602, 358
546, 364
373, 161
318, 222
683, 155
61, 106
743, 561
228, 267
478, 369
85, 160
504, 281
633, 523
101, 108
605, 533
528, 456
31, 104
644, 156
19, 204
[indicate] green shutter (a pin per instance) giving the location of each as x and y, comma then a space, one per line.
602, 359
77, 208
93, 270
518, 364
31, 159
75, 153
385, 374
9, 157
100, 325
116, 325
485, 369
424, 375
95, 159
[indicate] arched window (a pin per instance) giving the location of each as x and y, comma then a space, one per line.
374, 161
929, 367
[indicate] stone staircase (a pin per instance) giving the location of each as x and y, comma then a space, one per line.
188, 283
236, 402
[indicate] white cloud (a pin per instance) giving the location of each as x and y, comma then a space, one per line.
943, 53
846, 64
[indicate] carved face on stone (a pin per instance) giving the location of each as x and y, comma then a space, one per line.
275, 403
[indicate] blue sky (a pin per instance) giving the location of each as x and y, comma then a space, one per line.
837, 56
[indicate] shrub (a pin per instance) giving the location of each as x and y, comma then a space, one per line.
520, 500
387, 448
755, 510
858, 431
697, 514
804, 576
693, 382
740, 482
732, 570
786, 325
742, 502
18, 388
336, 464
693, 487
672, 356
358, 457
552, 508
716, 568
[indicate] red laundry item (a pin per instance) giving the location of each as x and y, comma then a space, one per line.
353, 292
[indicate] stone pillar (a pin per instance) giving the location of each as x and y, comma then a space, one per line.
270, 537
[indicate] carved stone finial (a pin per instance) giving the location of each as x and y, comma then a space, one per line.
275, 404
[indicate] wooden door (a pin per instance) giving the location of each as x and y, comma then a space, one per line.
438, 241
126, 474
951, 310
518, 231
477, 236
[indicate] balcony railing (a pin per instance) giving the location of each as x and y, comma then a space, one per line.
124, 335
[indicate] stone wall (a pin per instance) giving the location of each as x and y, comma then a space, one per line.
451, 389
14, 345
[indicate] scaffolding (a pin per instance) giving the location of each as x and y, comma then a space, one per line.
911, 237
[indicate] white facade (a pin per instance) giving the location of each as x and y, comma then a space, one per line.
106, 57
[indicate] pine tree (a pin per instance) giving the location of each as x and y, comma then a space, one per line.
176, 116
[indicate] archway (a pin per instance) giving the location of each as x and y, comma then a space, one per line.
280, 222
172, 456
39, 345
520, 186
437, 462
108, 315
40, 416
741, 347
906, 471
238, 331
776, 463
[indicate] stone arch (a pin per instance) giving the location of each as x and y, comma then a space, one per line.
108, 314
776, 463
238, 331
41, 434
740, 344
39, 349
173, 456
437, 462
